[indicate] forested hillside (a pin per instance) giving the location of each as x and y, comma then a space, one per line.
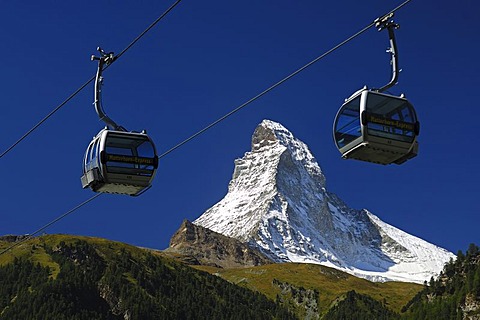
59, 277
313, 291
355, 306
455, 294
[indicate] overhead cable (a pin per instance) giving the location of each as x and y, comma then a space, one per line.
31, 235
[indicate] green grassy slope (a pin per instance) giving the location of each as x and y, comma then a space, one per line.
329, 283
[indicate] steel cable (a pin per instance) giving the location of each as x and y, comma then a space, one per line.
31, 235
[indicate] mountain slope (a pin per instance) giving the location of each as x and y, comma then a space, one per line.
277, 201
311, 290
356, 306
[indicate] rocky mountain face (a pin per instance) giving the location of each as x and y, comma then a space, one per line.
198, 245
277, 201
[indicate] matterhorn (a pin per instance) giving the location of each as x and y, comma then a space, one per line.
277, 202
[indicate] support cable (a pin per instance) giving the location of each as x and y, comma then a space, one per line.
31, 235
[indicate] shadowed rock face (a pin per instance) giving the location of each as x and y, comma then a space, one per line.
200, 245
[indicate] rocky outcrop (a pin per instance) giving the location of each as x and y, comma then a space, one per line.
13, 238
199, 245
114, 301
298, 299
471, 308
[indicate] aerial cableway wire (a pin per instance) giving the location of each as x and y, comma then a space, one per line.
88, 81
31, 235
218, 120
261, 94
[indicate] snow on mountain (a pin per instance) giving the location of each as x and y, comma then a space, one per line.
277, 201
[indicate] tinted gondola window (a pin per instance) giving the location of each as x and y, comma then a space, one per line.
347, 126
146, 150
119, 147
390, 117
94, 156
130, 155
91, 156
87, 158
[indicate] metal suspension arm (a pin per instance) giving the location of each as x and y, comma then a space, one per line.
385, 23
104, 60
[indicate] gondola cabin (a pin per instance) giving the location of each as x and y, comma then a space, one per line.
119, 162
376, 127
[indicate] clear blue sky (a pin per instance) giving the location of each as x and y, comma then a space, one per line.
203, 60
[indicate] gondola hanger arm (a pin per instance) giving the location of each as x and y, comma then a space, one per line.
104, 60
382, 23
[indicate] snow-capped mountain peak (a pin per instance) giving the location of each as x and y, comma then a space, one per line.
277, 201
269, 132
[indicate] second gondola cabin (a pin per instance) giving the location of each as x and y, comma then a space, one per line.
119, 162
376, 127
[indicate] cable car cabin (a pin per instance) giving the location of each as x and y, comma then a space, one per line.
376, 127
119, 162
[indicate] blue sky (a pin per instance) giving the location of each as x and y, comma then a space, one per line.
206, 58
